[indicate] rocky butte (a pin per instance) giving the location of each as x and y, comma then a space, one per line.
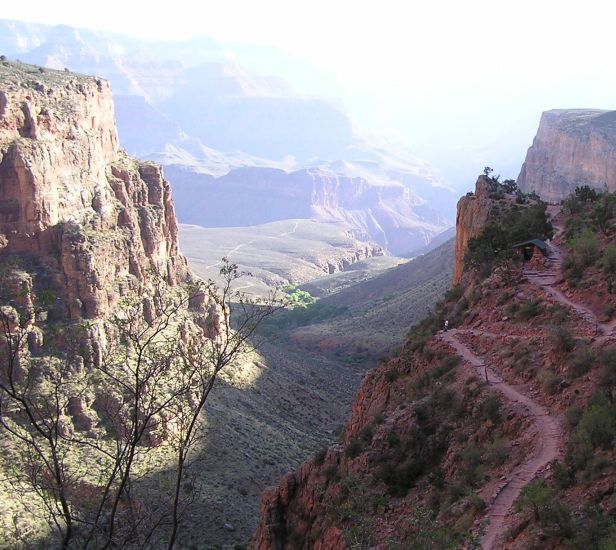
572, 148
473, 213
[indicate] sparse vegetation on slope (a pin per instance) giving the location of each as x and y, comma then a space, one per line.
368, 320
514, 218
414, 432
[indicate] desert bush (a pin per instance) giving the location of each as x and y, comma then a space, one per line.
391, 374
596, 429
472, 468
579, 451
528, 310
558, 521
584, 248
562, 475
448, 363
332, 473
599, 424
573, 416
562, 338
559, 314
354, 448
549, 381
366, 434
497, 452
491, 409
583, 360
537, 496
603, 212
607, 378
594, 529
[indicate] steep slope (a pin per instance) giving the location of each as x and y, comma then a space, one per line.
572, 148
369, 319
462, 439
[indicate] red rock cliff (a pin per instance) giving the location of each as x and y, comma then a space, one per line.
571, 148
473, 212
97, 219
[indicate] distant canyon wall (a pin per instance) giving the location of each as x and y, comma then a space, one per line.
572, 148
390, 216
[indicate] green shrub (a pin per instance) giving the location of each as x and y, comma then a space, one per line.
579, 451
585, 248
549, 381
497, 452
446, 365
354, 448
528, 310
562, 475
573, 416
331, 473
558, 521
607, 378
491, 409
608, 262
366, 434
562, 338
471, 469
572, 270
594, 530
599, 423
583, 360
536, 496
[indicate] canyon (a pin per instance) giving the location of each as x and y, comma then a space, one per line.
445, 435
241, 149
86, 230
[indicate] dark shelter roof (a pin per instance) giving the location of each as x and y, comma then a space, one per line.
541, 245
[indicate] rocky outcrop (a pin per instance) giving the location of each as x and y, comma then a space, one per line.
473, 213
96, 221
571, 148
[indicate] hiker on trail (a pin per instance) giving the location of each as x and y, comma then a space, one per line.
446, 325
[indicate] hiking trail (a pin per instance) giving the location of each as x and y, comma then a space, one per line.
549, 446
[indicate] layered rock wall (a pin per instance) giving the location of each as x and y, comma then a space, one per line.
386, 213
472, 216
571, 148
97, 221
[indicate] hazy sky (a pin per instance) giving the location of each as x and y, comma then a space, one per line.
432, 71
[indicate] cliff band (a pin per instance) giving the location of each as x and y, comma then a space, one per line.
95, 220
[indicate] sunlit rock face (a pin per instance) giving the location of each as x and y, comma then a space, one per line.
96, 220
473, 213
571, 148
